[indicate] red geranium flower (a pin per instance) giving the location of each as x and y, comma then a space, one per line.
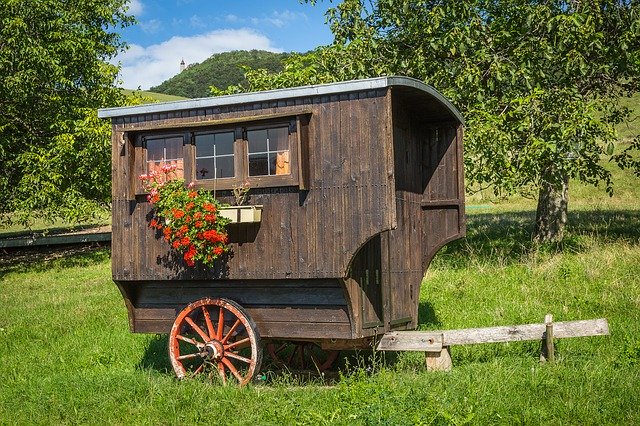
186, 216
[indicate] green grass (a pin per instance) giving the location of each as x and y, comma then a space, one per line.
150, 97
66, 355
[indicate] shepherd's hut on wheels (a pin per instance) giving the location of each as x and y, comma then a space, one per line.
353, 187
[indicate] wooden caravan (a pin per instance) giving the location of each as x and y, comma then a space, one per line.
360, 183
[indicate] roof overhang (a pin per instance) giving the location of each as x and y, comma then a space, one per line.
280, 94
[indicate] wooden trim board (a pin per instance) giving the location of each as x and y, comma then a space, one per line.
423, 341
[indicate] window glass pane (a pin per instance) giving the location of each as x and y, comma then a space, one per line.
174, 148
272, 163
279, 139
165, 152
204, 145
257, 140
155, 149
224, 143
258, 164
214, 155
204, 168
224, 166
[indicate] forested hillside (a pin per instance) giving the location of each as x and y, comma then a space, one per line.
220, 70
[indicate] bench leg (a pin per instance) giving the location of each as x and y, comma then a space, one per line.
439, 361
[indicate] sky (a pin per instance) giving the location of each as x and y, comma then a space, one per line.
169, 31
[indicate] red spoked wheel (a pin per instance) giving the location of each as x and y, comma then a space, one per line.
215, 335
301, 356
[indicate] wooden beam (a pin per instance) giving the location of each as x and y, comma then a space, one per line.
421, 340
55, 240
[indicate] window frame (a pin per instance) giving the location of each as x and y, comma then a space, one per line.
141, 159
297, 125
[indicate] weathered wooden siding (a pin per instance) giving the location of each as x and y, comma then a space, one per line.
429, 195
310, 309
339, 257
303, 234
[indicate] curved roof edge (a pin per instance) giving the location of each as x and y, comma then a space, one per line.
271, 95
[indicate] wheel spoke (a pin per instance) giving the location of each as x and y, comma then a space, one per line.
189, 356
194, 342
238, 357
220, 324
280, 349
199, 369
222, 372
301, 355
233, 369
197, 329
235, 344
207, 320
231, 330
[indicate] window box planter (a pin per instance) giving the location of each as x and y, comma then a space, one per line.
242, 214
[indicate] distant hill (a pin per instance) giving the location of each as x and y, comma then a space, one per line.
220, 70
150, 97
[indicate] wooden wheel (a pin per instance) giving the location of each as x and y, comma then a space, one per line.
215, 335
301, 356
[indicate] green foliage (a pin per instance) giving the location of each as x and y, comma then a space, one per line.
54, 73
220, 70
539, 82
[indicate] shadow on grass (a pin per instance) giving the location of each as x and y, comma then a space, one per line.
427, 315
40, 259
505, 238
156, 355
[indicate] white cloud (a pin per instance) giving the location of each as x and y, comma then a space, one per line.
279, 19
145, 67
135, 7
151, 27
276, 19
197, 22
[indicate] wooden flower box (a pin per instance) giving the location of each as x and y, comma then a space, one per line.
242, 214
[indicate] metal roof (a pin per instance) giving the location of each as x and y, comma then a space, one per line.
279, 94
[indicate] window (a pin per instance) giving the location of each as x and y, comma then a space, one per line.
164, 151
268, 152
265, 153
214, 155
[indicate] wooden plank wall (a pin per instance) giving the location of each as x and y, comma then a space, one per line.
309, 309
404, 242
429, 196
443, 200
303, 234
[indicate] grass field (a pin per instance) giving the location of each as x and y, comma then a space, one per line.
150, 97
67, 357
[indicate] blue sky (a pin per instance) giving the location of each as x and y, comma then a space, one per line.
171, 30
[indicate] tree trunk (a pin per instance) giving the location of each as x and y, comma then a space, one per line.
551, 215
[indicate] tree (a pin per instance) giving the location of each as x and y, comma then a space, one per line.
54, 74
537, 81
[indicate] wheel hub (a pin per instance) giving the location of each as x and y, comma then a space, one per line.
213, 351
